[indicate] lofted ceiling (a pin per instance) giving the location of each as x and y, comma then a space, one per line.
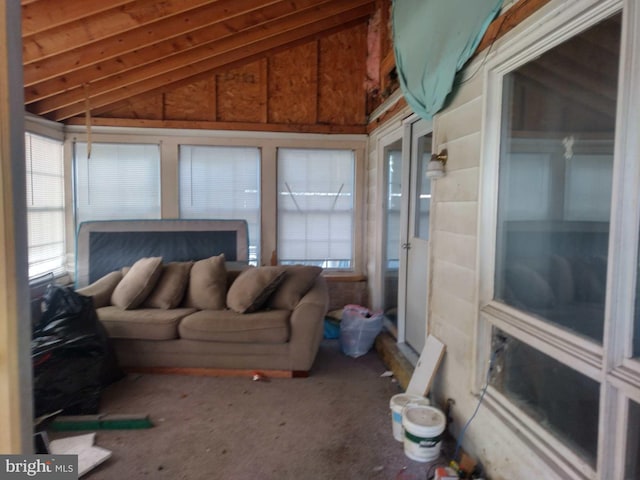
94, 54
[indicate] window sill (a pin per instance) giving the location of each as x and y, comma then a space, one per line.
344, 277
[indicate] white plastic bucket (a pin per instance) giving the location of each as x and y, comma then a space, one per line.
423, 429
397, 404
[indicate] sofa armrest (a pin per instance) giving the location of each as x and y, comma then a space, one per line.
307, 325
100, 290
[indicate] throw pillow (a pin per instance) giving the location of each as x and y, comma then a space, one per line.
170, 289
298, 279
136, 285
253, 287
207, 288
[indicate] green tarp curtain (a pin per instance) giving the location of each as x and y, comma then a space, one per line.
432, 41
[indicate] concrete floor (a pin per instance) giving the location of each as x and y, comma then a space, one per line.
336, 424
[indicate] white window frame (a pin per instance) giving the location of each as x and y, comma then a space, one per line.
609, 363
253, 258
268, 142
353, 248
60, 269
46, 128
93, 144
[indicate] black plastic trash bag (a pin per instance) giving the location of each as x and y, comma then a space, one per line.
359, 328
71, 354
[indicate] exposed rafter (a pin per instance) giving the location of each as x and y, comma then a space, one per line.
112, 51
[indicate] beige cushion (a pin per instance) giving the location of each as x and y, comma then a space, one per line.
207, 288
298, 279
136, 285
143, 323
253, 287
270, 326
169, 290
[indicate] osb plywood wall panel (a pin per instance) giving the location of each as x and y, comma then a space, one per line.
241, 93
293, 85
319, 83
341, 92
148, 108
196, 101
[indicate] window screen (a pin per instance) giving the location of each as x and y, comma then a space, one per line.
45, 204
119, 181
315, 207
222, 183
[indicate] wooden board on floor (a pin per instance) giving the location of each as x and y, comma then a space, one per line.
426, 367
217, 372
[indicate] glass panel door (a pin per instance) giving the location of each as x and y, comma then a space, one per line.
393, 229
418, 239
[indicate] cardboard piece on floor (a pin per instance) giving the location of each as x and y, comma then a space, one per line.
428, 363
89, 455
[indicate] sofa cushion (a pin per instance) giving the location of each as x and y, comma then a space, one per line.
136, 285
169, 290
298, 279
143, 323
270, 326
253, 287
207, 288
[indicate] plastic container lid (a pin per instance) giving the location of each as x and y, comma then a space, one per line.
423, 420
400, 400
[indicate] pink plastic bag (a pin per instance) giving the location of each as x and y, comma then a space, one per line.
359, 328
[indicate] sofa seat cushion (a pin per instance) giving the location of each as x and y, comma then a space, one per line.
270, 326
143, 323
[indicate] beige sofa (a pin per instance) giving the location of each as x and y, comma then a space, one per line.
203, 315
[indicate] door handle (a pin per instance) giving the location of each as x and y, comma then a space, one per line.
406, 246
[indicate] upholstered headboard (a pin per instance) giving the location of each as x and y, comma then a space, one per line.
105, 246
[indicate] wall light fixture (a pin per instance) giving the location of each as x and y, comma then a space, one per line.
435, 168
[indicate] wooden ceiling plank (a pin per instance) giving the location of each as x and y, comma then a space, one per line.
262, 46
162, 30
40, 17
207, 52
141, 56
105, 27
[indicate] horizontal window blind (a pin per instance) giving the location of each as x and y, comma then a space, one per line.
118, 182
222, 183
45, 204
315, 207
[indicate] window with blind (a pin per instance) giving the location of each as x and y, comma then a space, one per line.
222, 183
45, 204
117, 182
315, 207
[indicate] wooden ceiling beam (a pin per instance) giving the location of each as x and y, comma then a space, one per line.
260, 46
219, 29
104, 28
162, 30
206, 52
37, 18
